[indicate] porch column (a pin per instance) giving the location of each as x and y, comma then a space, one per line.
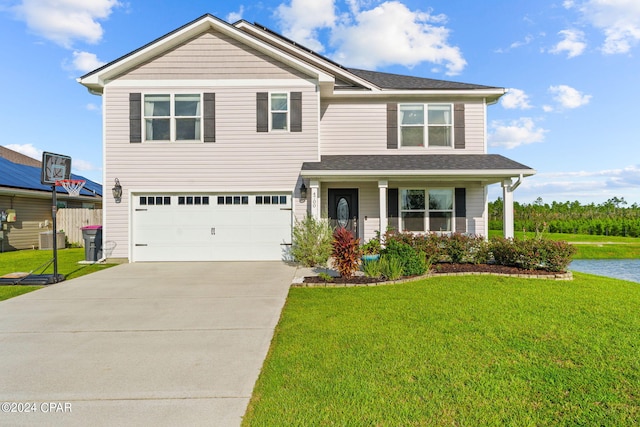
315, 198
507, 210
382, 186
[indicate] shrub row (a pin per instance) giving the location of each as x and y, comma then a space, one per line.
530, 254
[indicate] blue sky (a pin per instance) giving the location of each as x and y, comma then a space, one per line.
571, 67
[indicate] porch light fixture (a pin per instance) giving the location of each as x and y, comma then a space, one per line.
303, 192
117, 191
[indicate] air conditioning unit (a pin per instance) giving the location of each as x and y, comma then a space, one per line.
46, 240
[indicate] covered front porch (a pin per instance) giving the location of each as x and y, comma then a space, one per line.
417, 193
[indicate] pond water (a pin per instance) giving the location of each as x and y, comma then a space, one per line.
625, 269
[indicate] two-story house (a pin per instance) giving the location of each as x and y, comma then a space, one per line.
222, 135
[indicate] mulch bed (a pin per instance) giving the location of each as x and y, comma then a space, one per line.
441, 268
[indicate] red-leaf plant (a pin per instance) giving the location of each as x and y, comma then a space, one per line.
346, 252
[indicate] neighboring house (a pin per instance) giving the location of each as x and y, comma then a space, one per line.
22, 192
216, 132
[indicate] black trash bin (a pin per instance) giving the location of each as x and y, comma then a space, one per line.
92, 235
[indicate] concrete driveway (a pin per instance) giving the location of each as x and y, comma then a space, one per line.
140, 344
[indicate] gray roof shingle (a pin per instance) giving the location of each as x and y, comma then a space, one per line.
398, 81
411, 162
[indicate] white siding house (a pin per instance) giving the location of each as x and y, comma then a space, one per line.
214, 129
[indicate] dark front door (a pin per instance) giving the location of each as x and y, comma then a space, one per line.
343, 208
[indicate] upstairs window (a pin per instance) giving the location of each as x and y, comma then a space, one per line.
426, 125
173, 117
279, 107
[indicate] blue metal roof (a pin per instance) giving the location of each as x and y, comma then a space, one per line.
15, 175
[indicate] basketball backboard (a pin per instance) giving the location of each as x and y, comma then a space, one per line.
55, 167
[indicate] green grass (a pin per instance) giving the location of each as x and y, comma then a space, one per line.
32, 260
590, 246
472, 350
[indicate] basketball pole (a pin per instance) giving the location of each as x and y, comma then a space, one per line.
54, 209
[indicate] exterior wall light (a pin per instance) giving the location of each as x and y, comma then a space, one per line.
117, 191
303, 192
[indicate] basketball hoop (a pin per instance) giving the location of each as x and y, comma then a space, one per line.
73, 186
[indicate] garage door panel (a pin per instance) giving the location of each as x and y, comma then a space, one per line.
226, 228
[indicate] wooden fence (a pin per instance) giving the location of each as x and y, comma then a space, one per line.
71, 220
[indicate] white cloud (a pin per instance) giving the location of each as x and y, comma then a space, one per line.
26, 149
65, 21
86, 61
301, 20
235, 16
619, 20
82, 165
515, 99
92, 107
568, 97
547, 108
371, 36
573, 43
515, 133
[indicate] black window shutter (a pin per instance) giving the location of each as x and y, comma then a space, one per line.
458, 131
392, 126
296, 111
262, 111
461, 210
135, 117
392, 209
209, 117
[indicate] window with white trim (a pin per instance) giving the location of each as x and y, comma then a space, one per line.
426, 210
279, 108
172, 117
433, 129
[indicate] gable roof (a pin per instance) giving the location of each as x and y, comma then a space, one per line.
15, 157
23, 177
333, 77
96, 79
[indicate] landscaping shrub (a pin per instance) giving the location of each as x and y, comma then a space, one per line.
390, 267
531, 254
430, 244
346, 252
311, 243
372, 268
413, 262
372, 247
456, 247
504, 251
558, 255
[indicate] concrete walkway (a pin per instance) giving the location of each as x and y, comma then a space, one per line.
141, 344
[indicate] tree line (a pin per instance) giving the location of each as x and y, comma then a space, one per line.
615, 217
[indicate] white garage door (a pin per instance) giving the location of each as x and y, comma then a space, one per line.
201, 227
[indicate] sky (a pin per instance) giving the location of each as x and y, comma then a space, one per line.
571, 68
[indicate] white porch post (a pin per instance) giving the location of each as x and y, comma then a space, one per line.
382, 186
507, 209
315, 198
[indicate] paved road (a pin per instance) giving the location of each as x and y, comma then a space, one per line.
141, 344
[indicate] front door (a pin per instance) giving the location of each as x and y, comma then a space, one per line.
343, 208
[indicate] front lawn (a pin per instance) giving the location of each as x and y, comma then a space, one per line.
31, 260
472, 350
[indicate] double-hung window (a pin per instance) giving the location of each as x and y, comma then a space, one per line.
279, 107
426, 210
426, 125
173, 117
